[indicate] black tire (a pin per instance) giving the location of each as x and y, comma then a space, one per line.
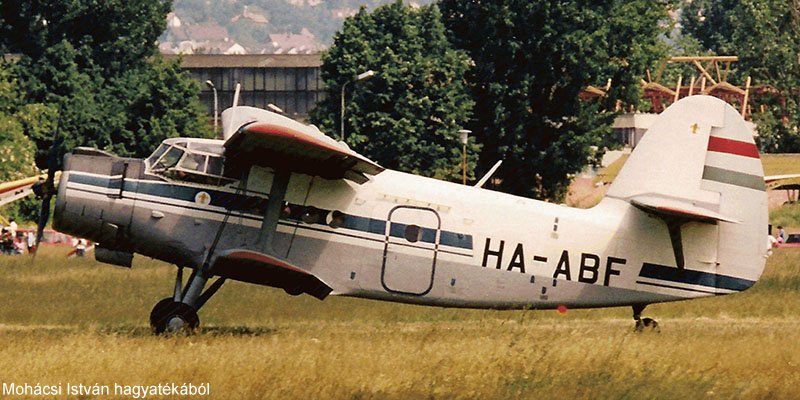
293, 290
160, 310
168, 309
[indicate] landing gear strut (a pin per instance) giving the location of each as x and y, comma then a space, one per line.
179, 312
643, 323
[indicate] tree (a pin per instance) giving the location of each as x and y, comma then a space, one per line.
408, 116
532, 58
16, 150
764, 35
96, 63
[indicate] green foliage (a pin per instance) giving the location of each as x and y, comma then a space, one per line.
16, 149
96, 64
787, 215
113, 35
532, 58
408, 115
763, 34
778, 135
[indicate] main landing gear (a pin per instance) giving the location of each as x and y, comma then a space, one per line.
179, 312
643, 323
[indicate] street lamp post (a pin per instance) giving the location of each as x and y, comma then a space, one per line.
464, 139
364, 75
216, 104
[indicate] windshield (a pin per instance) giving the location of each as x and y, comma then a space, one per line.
156, 154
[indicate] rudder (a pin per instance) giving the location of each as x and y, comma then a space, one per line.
698, 166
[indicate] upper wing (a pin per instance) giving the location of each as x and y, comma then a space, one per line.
268, 139
783, 181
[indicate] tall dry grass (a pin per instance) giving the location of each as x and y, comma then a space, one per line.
79, 321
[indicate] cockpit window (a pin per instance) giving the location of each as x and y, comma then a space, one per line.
156, 154
189, 160
169, 159
207, 148
215, 166
193, 162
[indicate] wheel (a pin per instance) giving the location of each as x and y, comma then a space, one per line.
293, 290
647, 323
173, 316
159, 310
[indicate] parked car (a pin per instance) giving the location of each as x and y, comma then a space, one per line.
792, 241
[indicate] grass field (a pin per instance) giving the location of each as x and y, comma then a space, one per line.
78, 321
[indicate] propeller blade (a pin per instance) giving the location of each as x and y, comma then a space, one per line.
44, 216
47, 188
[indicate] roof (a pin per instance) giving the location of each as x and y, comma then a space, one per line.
296, 43
207, 32
248, 60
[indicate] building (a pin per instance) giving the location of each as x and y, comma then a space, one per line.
289, 81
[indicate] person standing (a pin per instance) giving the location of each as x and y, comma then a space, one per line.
80, 248
12, 227
30, 238
781, 235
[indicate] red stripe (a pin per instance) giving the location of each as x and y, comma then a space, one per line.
263, 258
722, 145
291, 134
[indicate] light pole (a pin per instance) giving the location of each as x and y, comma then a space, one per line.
364, 75
216, 104
464, 139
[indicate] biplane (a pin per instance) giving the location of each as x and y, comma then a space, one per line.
280, 204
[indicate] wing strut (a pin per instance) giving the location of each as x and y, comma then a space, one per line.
674, 226
280, 182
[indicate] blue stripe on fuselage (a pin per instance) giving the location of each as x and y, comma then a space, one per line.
257, 206
672, 274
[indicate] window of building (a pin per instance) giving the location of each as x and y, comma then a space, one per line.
248, 79
258, 75
280, 78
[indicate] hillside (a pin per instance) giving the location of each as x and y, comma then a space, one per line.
258, 26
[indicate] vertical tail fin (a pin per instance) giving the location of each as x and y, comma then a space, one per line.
699, 170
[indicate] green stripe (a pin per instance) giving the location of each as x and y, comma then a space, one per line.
734, 178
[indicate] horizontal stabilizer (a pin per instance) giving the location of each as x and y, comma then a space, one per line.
264, 269
675, 208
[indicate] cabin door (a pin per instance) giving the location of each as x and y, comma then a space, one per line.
411, 246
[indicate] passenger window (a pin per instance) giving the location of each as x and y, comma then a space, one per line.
413, 233
335, 219
310, 215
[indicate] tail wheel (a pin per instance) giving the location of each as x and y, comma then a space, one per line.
173, 316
